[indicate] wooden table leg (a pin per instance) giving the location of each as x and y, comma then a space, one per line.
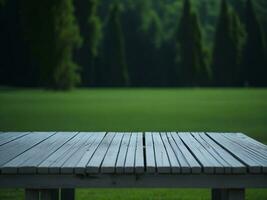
31, 194
228, 194
67, 194
49, 194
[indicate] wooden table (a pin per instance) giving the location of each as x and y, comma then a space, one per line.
46, 163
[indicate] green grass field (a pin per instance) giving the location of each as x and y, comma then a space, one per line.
225, 110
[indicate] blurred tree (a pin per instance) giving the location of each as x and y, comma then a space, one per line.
94, 39
193, 70
143, 35
91, 31
16, 67
115, 72
2, 2
254, 55
51, 30
227, 48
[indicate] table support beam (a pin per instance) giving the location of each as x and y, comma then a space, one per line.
67, 194
31, 194
49, 194
228, 194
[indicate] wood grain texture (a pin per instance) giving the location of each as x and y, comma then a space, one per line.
91, 153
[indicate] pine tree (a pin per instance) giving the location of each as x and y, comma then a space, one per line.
193, 70
115, 60
227, 48
254, 63
51, 30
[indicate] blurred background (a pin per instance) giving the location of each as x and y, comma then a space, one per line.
137, 43
134, 65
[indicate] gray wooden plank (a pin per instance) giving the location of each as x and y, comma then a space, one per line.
250, 150
13, 149
139, 155
10, 136
237, 152
253, 148
130, 157
162, 160
6, 135
209, 163
237, 166
55, 161
83, 156
68, 164
218, 153
122, 153
150, 153
95, 162
251, 141
28, 161
71, 165
255, 145
175, 165
109, 162
184, 166
184, 155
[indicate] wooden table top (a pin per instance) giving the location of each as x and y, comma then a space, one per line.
130, 153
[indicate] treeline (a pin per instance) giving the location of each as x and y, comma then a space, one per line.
60, 44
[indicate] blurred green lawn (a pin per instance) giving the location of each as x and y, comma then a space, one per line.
220, 110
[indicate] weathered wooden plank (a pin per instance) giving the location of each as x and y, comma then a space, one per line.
251, 151
5, 135
184, 155
122, 153
10, 136
162, 160
237, 166
139, 155
55, 161
150, 153
69, 164
218, 153
95, 162
237, 152
13, 149
209, 163
184, 166
83, 156
109, 162
28, 161
175, 165
130, 157
250, 141
251, 148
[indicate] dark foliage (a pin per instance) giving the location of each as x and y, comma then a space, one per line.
192, 66
139, 43
227, 48
115, 71
50, 29
254, 52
